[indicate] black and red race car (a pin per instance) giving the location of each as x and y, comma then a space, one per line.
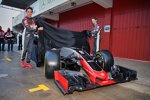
74, 69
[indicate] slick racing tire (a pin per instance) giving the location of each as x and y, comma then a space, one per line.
107, 59
51, 63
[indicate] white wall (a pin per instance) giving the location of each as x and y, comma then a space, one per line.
6, 17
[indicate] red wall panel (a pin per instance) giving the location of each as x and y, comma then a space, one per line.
131, 29
80, 19
105, 37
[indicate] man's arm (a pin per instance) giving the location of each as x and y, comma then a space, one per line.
13, 34
96, 30
30, 28
5, 37
2, 34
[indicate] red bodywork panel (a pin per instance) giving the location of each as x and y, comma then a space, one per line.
96, 77
62, 81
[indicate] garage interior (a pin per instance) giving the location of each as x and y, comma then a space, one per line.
128, 40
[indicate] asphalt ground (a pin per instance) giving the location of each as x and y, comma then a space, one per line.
16, 83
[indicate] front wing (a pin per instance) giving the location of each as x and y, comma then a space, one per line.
69, 81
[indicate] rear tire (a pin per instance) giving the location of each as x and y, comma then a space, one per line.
107, 59
51, 63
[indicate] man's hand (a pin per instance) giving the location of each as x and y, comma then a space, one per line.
34, 26
93, 32
40, 28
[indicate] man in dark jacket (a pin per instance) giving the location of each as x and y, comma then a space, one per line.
30, 28
2, 41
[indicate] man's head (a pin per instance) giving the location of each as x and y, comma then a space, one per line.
94, 20
29, 11
0, 27
8, 30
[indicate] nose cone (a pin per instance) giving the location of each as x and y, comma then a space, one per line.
101, 75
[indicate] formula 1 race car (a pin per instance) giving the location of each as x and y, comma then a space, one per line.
73, 69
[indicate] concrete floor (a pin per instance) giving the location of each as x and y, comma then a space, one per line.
15, 83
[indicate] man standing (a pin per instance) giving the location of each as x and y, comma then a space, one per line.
95, 33
9, 36
2, 41
30, 28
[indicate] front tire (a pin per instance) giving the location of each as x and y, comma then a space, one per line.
107, 59
51, 63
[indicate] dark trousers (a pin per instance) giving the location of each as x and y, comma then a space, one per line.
94, 46
20, 45
2, 44
27, 48
10, 44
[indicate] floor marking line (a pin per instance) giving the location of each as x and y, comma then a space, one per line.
8, 59
40, 87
